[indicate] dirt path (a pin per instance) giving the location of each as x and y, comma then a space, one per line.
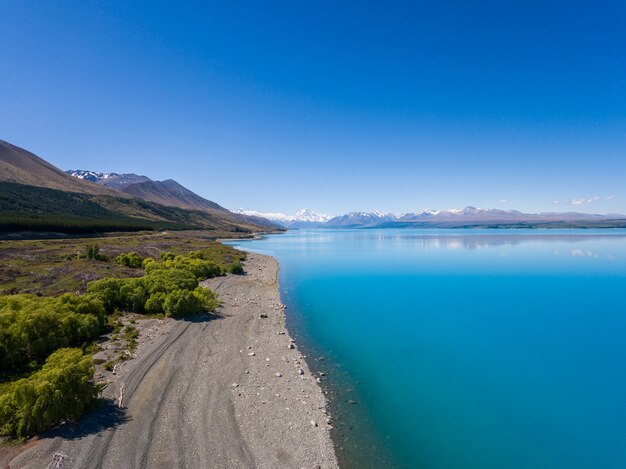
221, 393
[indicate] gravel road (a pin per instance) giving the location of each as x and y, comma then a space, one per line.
231, 392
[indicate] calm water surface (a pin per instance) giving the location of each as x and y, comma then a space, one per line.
464, 348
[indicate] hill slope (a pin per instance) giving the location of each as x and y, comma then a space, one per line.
171, 193
31, 208
23, 167
37, 196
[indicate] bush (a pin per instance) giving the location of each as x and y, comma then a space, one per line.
180, 303
169, 287
201, 269
129, 259
236, 268
32, 327
154, 304
62, 390
167, 256
92, 251
130, 334
170, 291
108, 291
164, 280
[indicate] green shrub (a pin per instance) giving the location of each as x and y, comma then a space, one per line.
179, 303
32, 327
129, 259
201, 269
108, 291
162, 280
154, 304
169, 287
133, 295
236, 268
157, 292
92, 251
219, 254
130, 334
167, 256
62, 390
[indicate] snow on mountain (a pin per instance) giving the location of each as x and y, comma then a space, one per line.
112, 180
468, 216
309, 216
305, 218
361, 219
275, 216
87, 175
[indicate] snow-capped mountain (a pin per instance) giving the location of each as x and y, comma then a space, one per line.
112, 180
450, 218
87, 175
468, 213
306, 215
305, 218
360, 220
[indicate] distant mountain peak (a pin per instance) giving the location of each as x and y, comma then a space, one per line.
468, 216
112, 180
304, 218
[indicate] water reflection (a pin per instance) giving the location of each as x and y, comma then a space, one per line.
472, 242
388, 240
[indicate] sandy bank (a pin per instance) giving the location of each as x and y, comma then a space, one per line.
227, 392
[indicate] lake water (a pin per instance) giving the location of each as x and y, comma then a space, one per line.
464, 348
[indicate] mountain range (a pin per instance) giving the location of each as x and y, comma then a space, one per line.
469, 217
169, 193
112, 180
305, 218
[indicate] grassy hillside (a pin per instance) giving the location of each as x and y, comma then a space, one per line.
31, 208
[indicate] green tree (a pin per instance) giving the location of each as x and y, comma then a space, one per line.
92, 251
62, 390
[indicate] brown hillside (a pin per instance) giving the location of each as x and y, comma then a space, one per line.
171, 193
23, 167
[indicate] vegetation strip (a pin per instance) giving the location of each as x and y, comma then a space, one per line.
46, 368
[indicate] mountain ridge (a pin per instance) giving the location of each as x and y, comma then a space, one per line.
112, 180
168, 192
37, 196
304, 218
469, 216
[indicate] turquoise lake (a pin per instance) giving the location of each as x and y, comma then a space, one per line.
472, 349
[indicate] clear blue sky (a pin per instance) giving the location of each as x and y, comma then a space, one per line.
335, 106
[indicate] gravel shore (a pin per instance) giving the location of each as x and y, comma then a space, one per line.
232, 392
